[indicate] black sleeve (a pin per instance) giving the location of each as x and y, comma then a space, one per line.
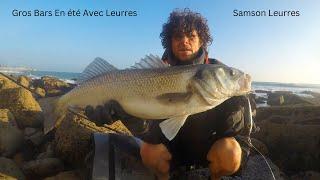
154, 134
230, 116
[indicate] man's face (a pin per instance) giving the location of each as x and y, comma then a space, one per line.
185, 46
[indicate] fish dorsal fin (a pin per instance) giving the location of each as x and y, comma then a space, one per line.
171, 126
148, 62
97, 67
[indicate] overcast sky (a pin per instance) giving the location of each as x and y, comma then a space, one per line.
277, 49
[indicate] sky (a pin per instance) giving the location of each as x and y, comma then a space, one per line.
270, 49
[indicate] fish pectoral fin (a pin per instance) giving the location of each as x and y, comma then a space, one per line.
97, 67
171, 127
172, 98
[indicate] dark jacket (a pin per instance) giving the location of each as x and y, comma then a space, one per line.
200, 131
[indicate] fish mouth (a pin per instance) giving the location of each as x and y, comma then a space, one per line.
245, 83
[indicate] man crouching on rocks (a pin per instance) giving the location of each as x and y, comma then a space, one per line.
208, 142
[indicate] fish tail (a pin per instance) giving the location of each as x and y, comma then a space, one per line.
54, 112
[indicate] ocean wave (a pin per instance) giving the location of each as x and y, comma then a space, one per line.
299, 89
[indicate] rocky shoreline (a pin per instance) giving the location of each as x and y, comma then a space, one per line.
289, 135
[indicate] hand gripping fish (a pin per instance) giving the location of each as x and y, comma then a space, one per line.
154, 90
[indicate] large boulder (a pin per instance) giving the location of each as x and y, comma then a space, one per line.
312, 93
302, 114
41, 92
72, 138
11, 137
292, 136
257, 169
24, 81
260, 100
9, 170
43, 167
6, 83
262, 91
307, 175
37, 138
312, 97
52, 85
70, 175
48, 153
6, 117
27, 153
278, 98
23, 106
260, 146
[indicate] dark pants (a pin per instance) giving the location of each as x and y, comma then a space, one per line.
200, 131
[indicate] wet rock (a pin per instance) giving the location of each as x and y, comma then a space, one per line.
307, 175
300, 114
41, 92
292, 136
70, 175
262, 91
6, 83
11, 137
54, 86
43, 167
53, 83
285, 98
26, 153
6, 116
54, 92
37, 83
24, 81
283, 92
72, 138
262, 148
260, 100
257, 169
36, 138
22, 105
275, 99
29, 131
45, 155
314, 94
18, 159
313, 98
51, 86
10, 170
49, 153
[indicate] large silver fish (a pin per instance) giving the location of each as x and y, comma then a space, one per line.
154, 90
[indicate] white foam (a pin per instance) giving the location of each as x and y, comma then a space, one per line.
70, 81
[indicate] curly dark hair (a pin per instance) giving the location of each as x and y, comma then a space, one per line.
185, 21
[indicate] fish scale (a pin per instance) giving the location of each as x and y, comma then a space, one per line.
137, 81
171, 93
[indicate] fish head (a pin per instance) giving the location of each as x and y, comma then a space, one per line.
220, 82
231, 81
